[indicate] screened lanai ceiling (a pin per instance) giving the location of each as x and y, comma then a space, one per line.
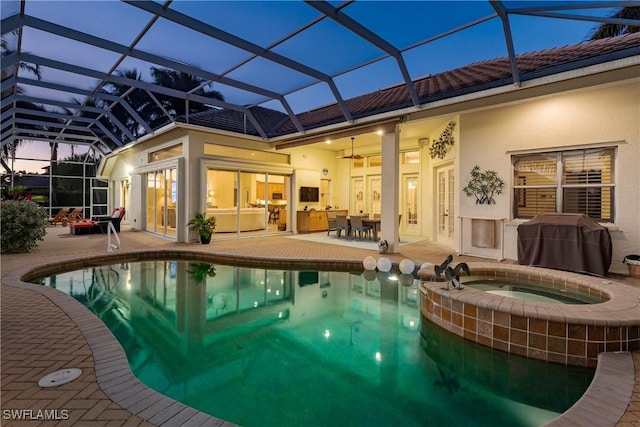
105, 73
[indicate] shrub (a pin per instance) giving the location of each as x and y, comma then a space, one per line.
24, 225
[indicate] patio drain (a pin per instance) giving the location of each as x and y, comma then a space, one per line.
60, 377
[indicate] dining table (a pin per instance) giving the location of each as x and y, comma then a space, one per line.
374, 223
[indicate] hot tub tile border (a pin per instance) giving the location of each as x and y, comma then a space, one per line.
609, 326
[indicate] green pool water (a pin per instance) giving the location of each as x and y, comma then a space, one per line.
266, 348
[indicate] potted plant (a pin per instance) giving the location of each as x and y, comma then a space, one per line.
203, 225
483, 185
200, 271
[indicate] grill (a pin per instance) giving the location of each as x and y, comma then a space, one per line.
571, 242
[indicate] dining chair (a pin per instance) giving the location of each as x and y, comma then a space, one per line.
359, 227
332, 225
342, 223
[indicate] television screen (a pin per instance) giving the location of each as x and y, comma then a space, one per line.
309, 194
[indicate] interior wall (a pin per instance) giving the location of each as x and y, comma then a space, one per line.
311, 165
605, 115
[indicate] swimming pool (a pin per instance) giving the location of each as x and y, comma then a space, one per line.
268, 347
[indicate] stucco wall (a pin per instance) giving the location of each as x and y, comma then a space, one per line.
606, 115
121, 170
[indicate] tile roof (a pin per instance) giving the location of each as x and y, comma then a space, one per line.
237, 121
468, 79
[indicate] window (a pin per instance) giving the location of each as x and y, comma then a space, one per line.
410, 157
165, 153
578, 181
245, 154
375, 161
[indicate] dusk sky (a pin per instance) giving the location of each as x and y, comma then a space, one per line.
325, 46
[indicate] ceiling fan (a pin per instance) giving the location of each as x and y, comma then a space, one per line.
352, 156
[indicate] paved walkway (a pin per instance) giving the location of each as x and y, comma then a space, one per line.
45, 332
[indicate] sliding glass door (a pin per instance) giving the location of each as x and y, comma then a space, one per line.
162, 202
247, 202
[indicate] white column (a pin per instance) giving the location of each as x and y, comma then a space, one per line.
390, 185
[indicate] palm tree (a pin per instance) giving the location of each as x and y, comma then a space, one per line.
136, 98
96, 103
9, 150
31, 68
612, 30
183, 82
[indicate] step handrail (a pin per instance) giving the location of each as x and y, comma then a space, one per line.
112, 229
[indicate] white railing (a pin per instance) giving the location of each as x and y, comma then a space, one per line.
112, 229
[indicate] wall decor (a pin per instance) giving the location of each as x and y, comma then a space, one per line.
443, 144
483, 185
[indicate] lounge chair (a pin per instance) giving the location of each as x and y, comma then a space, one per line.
102, 222
60, 218
75, 215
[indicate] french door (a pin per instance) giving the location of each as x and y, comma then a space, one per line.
445, 205
410, 214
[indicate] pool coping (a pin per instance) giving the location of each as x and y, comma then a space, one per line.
604, 402
607, 397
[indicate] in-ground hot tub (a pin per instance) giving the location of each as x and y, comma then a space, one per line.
572, 334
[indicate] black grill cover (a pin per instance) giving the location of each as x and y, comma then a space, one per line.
572, 242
